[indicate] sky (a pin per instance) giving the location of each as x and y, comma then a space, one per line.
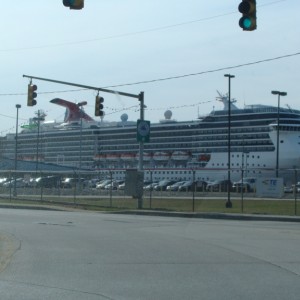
176, 52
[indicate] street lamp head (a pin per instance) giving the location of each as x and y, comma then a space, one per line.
82, 103
279, 93
275, 92
229, 75
18, 105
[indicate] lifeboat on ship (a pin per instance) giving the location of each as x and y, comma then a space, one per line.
100, 157
29, 158
204, 157
33, 158
127, 156
161, 156
146, 156
180, 155
112, 157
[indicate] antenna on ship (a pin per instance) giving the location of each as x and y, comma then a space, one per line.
291, 110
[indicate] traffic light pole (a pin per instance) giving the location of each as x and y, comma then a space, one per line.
88, 87
140, 98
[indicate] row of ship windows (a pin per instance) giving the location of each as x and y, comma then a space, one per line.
246, 140
186, 133
115, 140
87, 136
207, 134
238, 143
166, 146
238, 165
190, 148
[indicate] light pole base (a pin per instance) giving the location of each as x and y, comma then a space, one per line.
228, 204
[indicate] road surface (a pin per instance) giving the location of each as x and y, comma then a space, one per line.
85, 255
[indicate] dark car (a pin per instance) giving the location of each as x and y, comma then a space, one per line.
72, 182
196, 186
219, 186
48, 181
242, 186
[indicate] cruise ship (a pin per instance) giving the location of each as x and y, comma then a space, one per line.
177, 150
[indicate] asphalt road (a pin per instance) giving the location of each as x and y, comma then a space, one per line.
84, 255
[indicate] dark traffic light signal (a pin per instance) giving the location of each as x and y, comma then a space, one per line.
99, 106
31, 95
248, 20
74, 4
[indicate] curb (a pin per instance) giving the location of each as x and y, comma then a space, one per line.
195, 215
220, 216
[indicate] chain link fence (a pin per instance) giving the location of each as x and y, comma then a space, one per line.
106, 190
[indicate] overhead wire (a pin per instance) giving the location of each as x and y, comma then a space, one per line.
171, 77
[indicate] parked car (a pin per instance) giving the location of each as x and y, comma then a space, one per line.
219, 186
248, 184
162, 185
90, 183
121, 186
101, 185
241, 186
175, 186
71, 182
114, 185
198, 186
3, 180
47, 182
297, 187
19, 182
288, 189
150, 187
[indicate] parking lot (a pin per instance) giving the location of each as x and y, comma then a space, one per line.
187, 196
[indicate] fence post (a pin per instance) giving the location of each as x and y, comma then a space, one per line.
10, 185
193, 188
295, 192
74, 188
110, 190
42, 186
151, 181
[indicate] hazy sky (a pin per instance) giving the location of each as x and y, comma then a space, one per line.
116, 42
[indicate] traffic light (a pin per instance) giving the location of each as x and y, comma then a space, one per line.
74, 4
31, 95
99, 106
248, 20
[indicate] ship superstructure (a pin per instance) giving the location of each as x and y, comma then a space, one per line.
177, 150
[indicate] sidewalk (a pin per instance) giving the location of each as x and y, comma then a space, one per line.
203, 215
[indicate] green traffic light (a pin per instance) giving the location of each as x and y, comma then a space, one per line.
248, 20
247, 23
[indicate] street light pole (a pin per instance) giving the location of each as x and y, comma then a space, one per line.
16, 149
37, 144
141, 152
229, 203
278, 119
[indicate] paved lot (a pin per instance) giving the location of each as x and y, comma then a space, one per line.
83, 255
